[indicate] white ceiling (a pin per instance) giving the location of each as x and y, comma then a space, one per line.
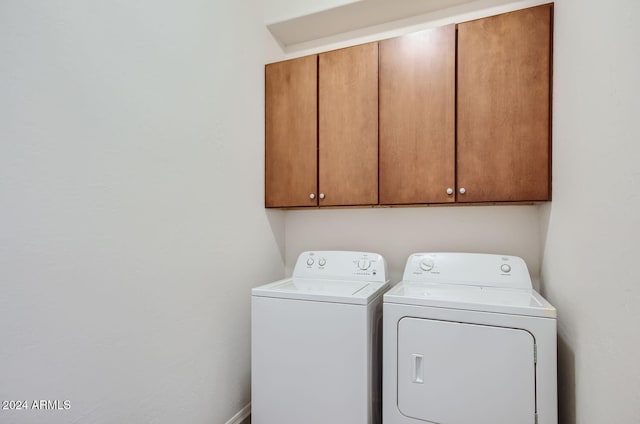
297, 21
282, 10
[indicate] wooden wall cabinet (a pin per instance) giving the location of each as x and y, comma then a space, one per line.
457, 114
504, 89
321, 133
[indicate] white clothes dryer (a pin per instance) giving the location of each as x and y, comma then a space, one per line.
468, 341
316, 343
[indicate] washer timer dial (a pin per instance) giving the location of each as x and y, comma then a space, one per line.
426, 264
364, 264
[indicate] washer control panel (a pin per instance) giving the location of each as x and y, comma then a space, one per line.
341, 265
476, 269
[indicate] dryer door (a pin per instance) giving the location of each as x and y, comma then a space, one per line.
457, 373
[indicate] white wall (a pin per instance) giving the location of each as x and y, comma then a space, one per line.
592, 248
132, 222
395, 233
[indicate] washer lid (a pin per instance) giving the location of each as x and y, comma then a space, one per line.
336, 291
472, 298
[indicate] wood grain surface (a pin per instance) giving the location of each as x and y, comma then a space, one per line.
417, 117
503, 107
348, 126
291, 119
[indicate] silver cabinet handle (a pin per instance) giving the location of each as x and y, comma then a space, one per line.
449, 191
462, 190
322, 195
312, 196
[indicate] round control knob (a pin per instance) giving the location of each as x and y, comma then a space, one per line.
364, 264
322, 195
449, 191
505, 268
322, 262
426, 265
462, 190
310, 261
312, 196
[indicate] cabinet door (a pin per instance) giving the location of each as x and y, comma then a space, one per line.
417, 117
348, 134
503, 146
291, 131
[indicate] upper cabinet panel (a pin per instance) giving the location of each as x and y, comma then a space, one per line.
503, 120
417, 117
291, 133
449, 115
348, 127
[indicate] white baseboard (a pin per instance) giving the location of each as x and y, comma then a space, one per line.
241, 415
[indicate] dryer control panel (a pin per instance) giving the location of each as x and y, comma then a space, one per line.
475, 269
341, 265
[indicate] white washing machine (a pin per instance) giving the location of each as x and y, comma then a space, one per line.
468, 341
315, 345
